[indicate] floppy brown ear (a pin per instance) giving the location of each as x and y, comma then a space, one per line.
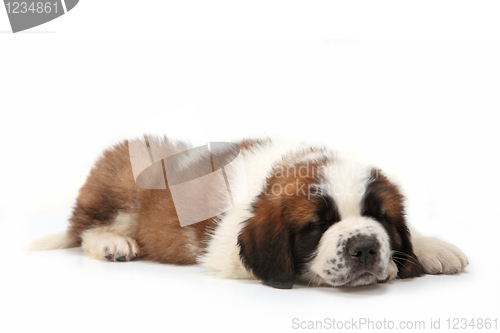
265, 249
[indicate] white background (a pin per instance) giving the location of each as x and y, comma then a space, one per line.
423, 104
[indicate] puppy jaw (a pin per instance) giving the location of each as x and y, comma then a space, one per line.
332, 264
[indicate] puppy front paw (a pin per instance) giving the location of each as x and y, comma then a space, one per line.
439, 257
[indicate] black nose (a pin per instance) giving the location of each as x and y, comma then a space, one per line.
363, 249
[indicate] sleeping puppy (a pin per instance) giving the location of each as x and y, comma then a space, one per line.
271, 211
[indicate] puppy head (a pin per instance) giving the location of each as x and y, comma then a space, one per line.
343, 225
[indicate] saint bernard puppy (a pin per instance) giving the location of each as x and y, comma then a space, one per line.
308, 214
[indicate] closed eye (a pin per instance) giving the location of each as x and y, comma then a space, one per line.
316, 225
